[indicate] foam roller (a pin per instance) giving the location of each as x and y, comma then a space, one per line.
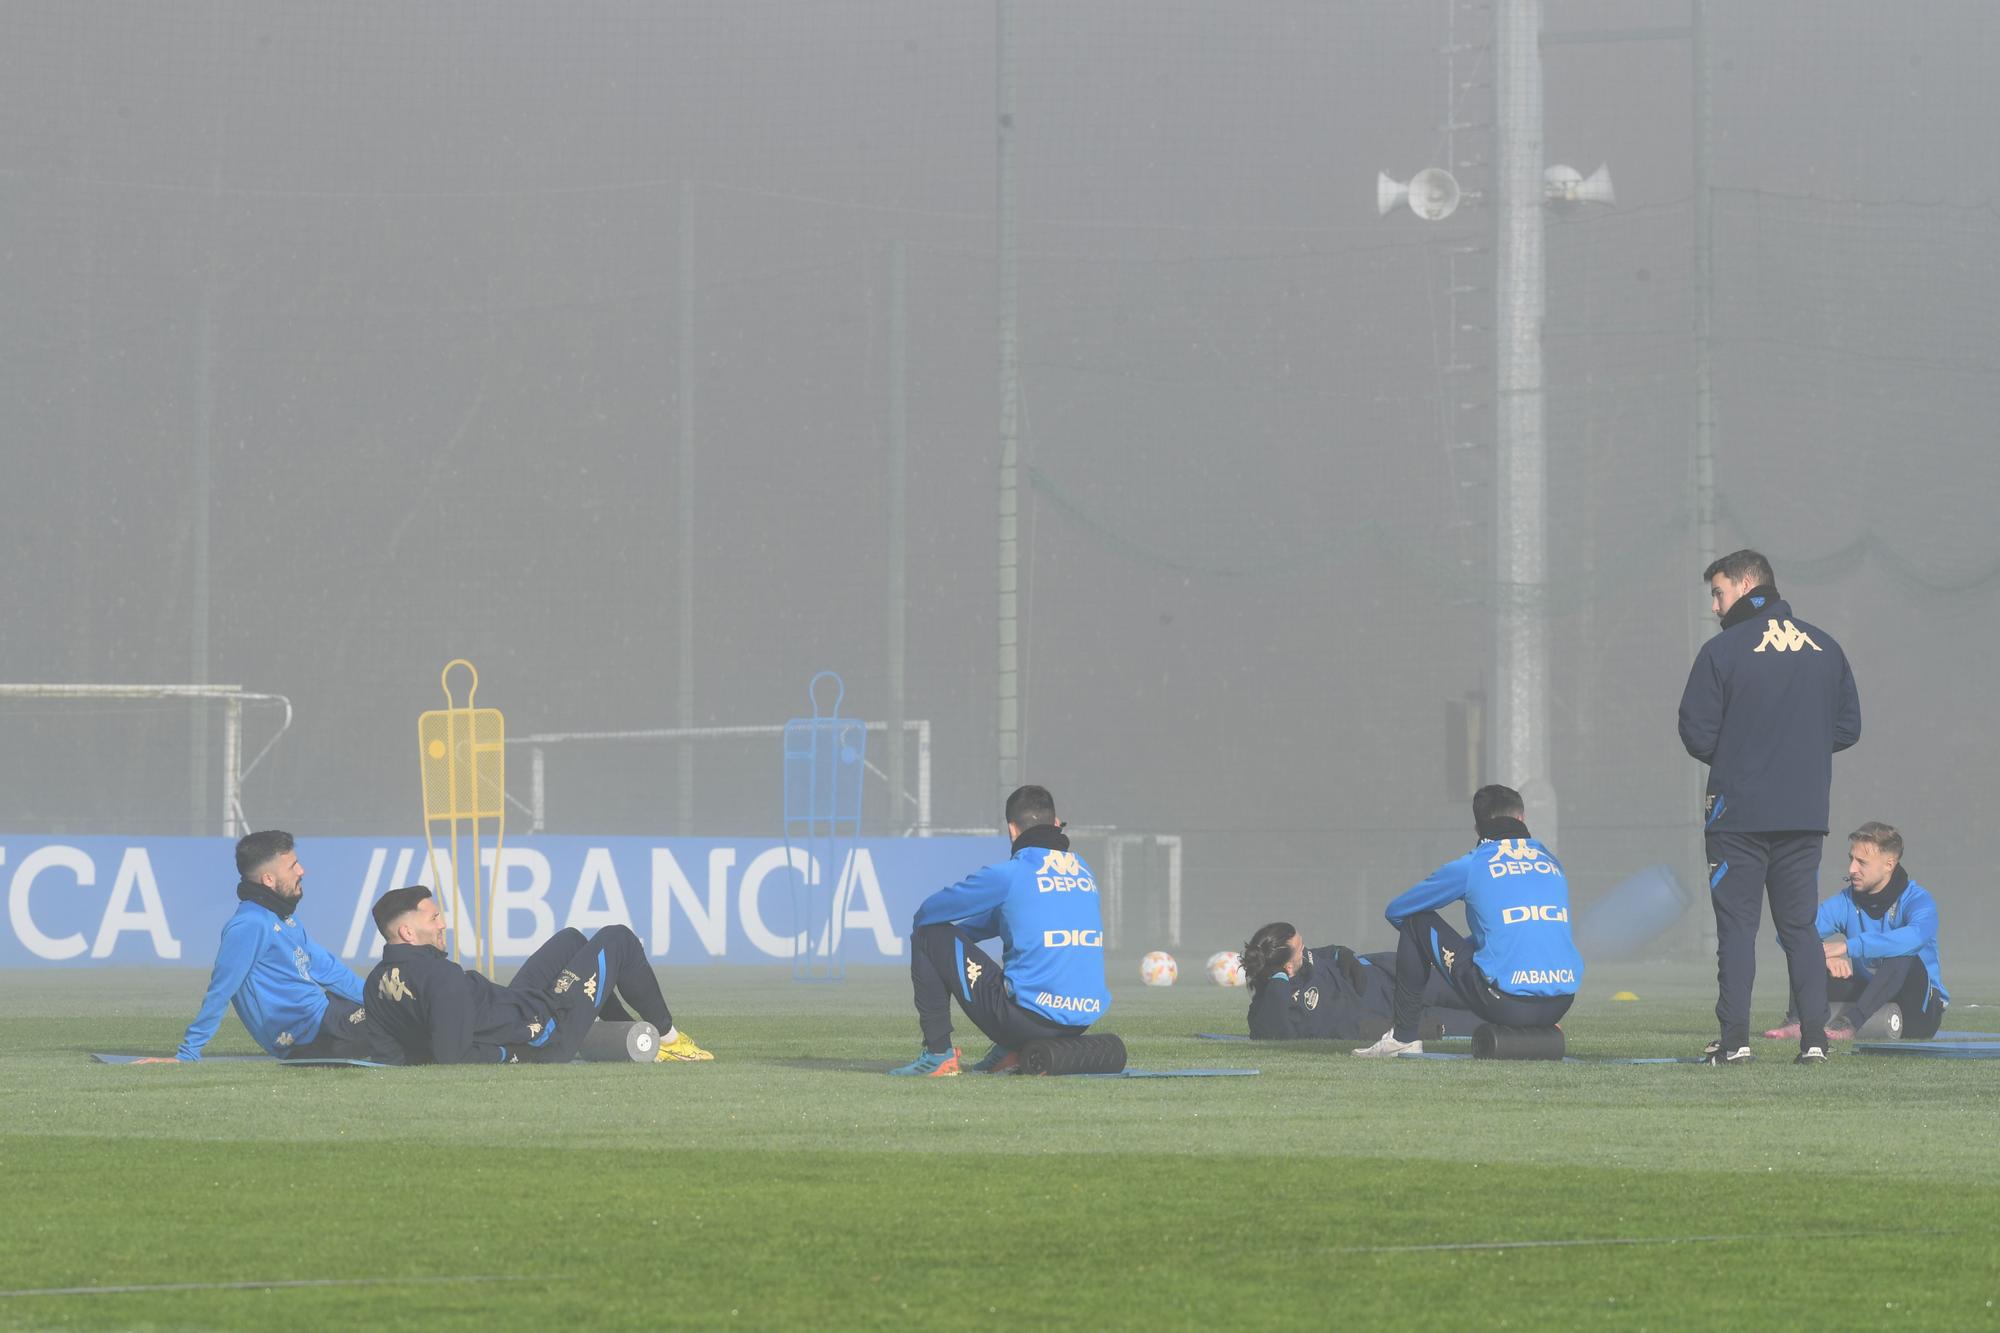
1491, 1041
617, 1042
1885, 1024
1092, 1053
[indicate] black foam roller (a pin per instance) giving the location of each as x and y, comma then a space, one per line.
1491, 1041
1092, 1053
615, 1042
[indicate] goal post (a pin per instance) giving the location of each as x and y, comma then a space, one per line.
913, 808
231, 697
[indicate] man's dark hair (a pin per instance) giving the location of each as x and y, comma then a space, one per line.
1738, 564
1882, 835
1266, 953
257, 850
1029, 806
395, 903
1496, 802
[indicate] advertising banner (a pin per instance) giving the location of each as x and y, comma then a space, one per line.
136, 901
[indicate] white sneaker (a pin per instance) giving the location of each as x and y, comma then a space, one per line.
1388, 1045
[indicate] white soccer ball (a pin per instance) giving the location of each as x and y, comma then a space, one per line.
1226, 969
1159, 969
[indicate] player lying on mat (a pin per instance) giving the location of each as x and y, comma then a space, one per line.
1516, 964
294, 997
425, 1009
1880, 937
1298, 993
1042, 905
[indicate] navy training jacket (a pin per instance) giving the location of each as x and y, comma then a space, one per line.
1770, 701
424, 1009
1337, 993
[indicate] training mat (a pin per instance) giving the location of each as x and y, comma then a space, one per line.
1962, 1036
1173, 1073
1237, 1036
1567, 1059
110, 1058
1935, 1050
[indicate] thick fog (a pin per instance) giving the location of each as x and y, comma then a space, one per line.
345, 339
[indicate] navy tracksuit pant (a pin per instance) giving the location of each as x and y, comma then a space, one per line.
584, 980
946, 963
1902, 982
1742, 869
1429, 945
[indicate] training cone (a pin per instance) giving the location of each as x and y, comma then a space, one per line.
1624, 995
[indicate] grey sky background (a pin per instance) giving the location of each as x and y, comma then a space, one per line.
409, 276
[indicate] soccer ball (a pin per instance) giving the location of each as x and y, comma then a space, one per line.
1226, 969
1159, 969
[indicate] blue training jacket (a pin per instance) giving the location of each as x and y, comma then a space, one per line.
1909, 929
1042, 904
276, 976
1768, 703
1516, 914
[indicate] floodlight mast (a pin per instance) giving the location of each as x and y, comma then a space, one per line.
1521, 694
1521, 690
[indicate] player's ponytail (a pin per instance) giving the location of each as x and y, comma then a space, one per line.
1266, 953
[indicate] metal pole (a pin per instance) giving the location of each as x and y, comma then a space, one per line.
898, 591
924, 778
538, 789
1008, 686
684, 504
1704, 309
232, 768
204, 397
1702, 927
1521, 688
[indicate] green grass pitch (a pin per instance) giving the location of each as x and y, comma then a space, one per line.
789, 1184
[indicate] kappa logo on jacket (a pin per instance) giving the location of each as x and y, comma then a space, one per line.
393, 987
1785, 637
1062, 872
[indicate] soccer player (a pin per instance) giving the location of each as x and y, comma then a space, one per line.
295, 998
1516, 964
1042, 904
1769, 702
1298, 993
1879, 936
425, 1009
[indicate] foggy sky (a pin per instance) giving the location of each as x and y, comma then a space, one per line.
409, 276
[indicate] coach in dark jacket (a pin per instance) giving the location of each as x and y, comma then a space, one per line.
1770, 701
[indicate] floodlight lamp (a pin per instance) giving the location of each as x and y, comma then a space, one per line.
1432, 194
1565, 185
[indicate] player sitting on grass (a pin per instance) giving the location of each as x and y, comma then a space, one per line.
425, 1009
295, 998
1042, 904
1879, 935
1519, 967
1297, 993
